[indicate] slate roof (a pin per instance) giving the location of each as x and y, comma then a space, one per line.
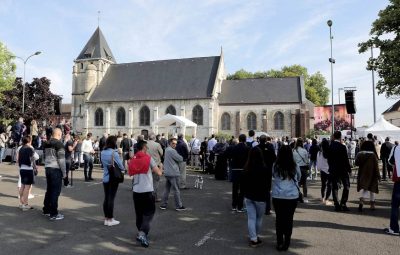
394, 108
96, 48
263, 91
188, 78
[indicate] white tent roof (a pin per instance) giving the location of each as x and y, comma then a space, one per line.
382, 125
169, 119
382, 129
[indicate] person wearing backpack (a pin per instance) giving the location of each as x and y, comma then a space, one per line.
394, 159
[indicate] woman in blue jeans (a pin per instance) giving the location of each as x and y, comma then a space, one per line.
285, 193
255, 193
110, 188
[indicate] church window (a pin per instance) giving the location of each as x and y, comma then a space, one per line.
251, 121
80, 109
98, 117
121, 117
225, 121
171, 110
81, 65
197, 115
278, 121
144, 118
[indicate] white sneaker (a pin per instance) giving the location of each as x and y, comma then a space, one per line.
26, 207
305, 200
327, 202
112, 222
31, 196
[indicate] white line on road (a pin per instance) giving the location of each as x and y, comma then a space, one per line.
205, 238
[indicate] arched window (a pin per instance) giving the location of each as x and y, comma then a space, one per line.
251, 121
144, 118
225, 121
121, 117
98, 117
278, 121
171, 110
197, 115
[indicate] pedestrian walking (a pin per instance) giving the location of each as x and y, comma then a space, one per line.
386, 148
339, 170
323, 168
256, 188
156, 152
182, 150
285, 194
300, 156
171, 173
393, 228
368, 176
88, 151
142, 166
109, 156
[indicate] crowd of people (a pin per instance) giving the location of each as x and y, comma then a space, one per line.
265, 173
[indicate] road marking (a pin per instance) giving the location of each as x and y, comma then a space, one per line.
205, 238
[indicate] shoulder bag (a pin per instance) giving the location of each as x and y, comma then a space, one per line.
115, 173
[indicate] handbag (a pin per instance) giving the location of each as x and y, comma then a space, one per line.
115, 173
300, 198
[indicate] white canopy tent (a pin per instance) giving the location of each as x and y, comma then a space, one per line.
181, 122
383, 129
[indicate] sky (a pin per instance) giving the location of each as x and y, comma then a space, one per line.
255, 35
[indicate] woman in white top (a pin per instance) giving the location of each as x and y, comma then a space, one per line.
323, 167
300, 156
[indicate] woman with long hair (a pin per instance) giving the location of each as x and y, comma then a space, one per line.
255, 193
110, 187
368, 174
285, 194
300, 156
323, 167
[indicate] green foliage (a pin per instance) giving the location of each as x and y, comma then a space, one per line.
220, 135
385, 35
7, 69
315, 88
39, 101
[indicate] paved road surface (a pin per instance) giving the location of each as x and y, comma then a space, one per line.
207, 227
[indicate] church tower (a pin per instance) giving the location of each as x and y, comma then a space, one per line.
88, 71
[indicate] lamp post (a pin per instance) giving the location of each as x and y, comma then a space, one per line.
23, 82
373, 84
332, 61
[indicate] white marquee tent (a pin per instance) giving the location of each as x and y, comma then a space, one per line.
383, 129
181, 122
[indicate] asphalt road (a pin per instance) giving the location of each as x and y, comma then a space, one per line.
207, 227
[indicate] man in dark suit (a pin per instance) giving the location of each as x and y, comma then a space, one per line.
339, 169
386, 148
238, 156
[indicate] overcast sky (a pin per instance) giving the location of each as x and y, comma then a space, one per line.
255, 35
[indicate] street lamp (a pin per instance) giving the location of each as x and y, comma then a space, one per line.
373, 84
23, 82
332, 61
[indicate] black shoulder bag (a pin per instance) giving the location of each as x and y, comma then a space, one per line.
115, 173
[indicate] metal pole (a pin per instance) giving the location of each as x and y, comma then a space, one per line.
373, 85
23, 90
333, 106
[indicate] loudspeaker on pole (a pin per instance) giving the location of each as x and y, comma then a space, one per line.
350, 102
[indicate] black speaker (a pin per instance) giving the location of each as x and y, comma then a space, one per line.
57, 106
350, 103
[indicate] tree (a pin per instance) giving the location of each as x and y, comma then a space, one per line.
314, 84
39, 101
7, 68
385, 35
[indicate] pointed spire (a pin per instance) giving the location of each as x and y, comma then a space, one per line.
96, 48
222, 52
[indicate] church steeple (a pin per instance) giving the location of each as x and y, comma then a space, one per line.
96, 48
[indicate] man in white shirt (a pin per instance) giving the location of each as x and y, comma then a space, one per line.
87, 150
194, 147
211, 143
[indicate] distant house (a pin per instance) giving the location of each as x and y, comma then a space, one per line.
108, 97
392, 114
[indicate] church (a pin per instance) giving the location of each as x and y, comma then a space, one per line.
108, 97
